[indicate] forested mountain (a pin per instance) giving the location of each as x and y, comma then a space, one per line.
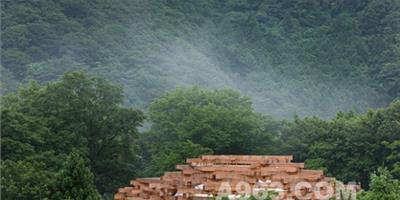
318, 79
292, 56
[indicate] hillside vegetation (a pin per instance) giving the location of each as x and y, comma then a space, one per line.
59, 139
98, 92
292, 57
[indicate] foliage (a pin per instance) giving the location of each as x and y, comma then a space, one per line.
162, 159
45, 123
24, 180
393, 158
349, 146
201, 121
383, 187
42, 124
74, 181
312, 58
304, 57
219, 119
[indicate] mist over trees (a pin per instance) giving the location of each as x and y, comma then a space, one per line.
291, 57
42, 125
97, 92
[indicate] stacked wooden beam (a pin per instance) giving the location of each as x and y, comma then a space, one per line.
209, 175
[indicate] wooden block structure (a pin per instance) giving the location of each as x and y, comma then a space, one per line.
203, 178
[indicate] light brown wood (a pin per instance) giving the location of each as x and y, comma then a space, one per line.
201, 178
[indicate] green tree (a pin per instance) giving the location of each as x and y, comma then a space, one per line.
45, 123
21, 135
74, 181
393, 157
165, 158
24, 180
382, 187
221, 121
349, 147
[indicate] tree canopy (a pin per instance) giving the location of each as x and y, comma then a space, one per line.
42, 125
45, 123
319, 79
383, 186
74, 181
304, 57
193, 121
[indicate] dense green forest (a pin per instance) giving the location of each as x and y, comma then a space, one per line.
78, 127
98, 92
291, 57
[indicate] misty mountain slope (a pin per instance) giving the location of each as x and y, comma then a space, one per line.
304, 57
